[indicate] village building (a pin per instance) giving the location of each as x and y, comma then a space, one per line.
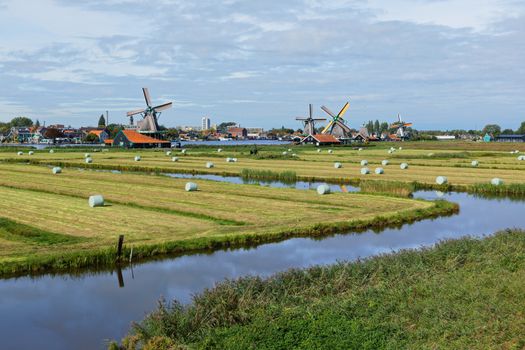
510, 138
321, 140
238, 133
133, 139
101, 134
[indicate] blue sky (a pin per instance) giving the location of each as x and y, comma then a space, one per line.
440, 63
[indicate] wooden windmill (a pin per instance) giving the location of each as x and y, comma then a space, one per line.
309, 123
337, 127
401, 128
150, 115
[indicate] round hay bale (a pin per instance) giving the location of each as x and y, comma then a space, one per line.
87, 155
365, 171
390, 151
338, 165
330, 151
183, 151
285, 153
137, 158
380, 171
234, 160
496, 181
30, 153
57, 170
209, 165
359, 149
521, 158
229, 160
96, 201
191, 186
51, 151
219, 150
318, 150
323, 189
404, 166
475, 163
168, 153
88, 160
400, 148
20, 153
174, 159
289, 149
385, 162
364, 162
441, 180
294, 154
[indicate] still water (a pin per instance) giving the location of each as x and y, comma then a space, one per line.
82, 312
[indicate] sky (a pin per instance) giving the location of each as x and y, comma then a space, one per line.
441, 64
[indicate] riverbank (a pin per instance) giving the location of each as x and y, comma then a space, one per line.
466, 293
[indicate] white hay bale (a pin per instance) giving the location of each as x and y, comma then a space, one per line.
234, 160
88, 160
521, 158
338, 165
137, 158
191, 186
219, 150
323, 189
30, 153
379, 171
441, 180
364, 162
318, 150
289, 149
229, 160
57, 170
404, 166
87, 155
496, 181
183, 151
168, 153
385, 162
174, 159
359, 149
365, 171
51, 151
96, 201
330, 151
285, 153
294, 154
474, 163
400, 148
20, 153
390, 151
210, 165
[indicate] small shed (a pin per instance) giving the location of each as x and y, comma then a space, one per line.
133, 139
487, 138
321, 139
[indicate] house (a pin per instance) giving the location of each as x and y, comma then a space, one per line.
445, 137
133, 139
238, 133
321, 139
487, 138
510, 138
101, 134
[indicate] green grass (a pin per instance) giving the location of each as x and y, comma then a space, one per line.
463, 294
268, 175
14, 231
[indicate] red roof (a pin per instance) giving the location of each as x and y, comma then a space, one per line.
108, 141
324, 138
136, 137
96, 132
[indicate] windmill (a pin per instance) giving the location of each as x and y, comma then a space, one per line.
309, 123
150, 115
401, 128
337, 127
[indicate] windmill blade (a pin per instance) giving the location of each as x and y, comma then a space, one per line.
311, 111
325, 130
147, 96
344, 109
163, 107
407, 124
328, 111
399, 117
319, 119
138, 111
342, 126
301, 118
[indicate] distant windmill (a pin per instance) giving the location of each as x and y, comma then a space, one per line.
401, 128
337, 126
309, 123
150, 115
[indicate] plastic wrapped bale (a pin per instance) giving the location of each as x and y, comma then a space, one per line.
365, 171
285, 153
183, 151
475, 163
89, 160
191, 187
404, 166
56, 170
168, 153
174, 159
137, 158
521, 158
385, 162
229, 160
219, 150
330, 151
51, 151
390, 151
380, 171
87, 155
323, 189
496, 181
400, 148
20, 153
294, 154
364, 162
96, 201
359, 149
338, 165
234, 160
30, 153
210, 165
441, 180
318, 150
289, 149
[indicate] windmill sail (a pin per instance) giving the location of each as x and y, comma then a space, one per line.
150, 114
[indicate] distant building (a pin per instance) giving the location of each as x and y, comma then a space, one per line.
206, 123
510, 138
445, 137
321, 139
255, 133
238, 133
133, 139
101, 134
487, 138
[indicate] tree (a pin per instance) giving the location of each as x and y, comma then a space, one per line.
491, 129
383, 127
508, 132
102, 121
53, 134
223, 127
37, 123
92, 138
21, 122
377, 126
521, 129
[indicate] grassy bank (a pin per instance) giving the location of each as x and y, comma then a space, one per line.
464, 294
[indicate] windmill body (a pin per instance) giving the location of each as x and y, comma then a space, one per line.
309, 123
337, 127
150, 115
401, 128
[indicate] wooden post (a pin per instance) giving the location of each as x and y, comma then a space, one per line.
120, 277
119, 247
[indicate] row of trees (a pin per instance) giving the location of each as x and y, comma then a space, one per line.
377, 127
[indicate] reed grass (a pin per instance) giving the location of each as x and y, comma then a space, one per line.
268, 175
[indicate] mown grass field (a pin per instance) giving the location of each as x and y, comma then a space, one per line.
156, 210
464, 294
